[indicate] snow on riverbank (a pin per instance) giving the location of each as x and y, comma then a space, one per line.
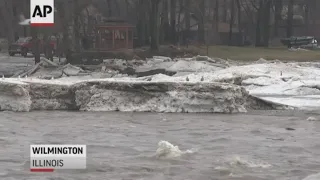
200, 85
285, 83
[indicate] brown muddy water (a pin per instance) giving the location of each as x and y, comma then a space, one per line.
258, 145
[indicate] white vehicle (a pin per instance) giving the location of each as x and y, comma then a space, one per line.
312, 45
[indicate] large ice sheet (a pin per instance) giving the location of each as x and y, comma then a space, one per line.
160, 97
14, 96
288, 84
121, 95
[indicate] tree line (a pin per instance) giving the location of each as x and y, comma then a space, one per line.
179, 22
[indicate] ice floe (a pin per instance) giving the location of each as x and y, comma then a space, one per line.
198, 84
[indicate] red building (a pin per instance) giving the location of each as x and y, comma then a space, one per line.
114, 36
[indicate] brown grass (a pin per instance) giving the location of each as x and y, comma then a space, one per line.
253, 53
224, 52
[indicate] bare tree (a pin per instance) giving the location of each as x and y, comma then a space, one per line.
307, 15
64, 43
35, 44
173, 7
290, 19
259, 22
239, 16
7, 13
154, 24
225, 11
117, 7
187, 18
215, 21
201, 21
165, 21
266, 22
277, 17
231, 22
109, 7
179, 21
142, 7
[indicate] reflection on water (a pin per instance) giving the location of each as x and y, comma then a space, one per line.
254, 146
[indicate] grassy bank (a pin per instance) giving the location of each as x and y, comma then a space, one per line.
253, 53
224, 52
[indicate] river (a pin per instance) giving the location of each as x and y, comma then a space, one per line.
259, 145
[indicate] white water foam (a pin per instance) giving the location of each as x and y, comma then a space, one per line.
242, 161
313, 177
311, 118
168, 150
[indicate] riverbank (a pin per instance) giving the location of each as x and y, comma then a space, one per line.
198, 84
30, 94
164, 84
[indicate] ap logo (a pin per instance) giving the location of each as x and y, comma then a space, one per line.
42, 12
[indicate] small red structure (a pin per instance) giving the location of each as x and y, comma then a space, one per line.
114, 36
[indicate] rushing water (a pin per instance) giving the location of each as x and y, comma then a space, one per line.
143, 146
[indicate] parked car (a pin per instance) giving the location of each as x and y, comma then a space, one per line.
23, 46
297, 41
312, 45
